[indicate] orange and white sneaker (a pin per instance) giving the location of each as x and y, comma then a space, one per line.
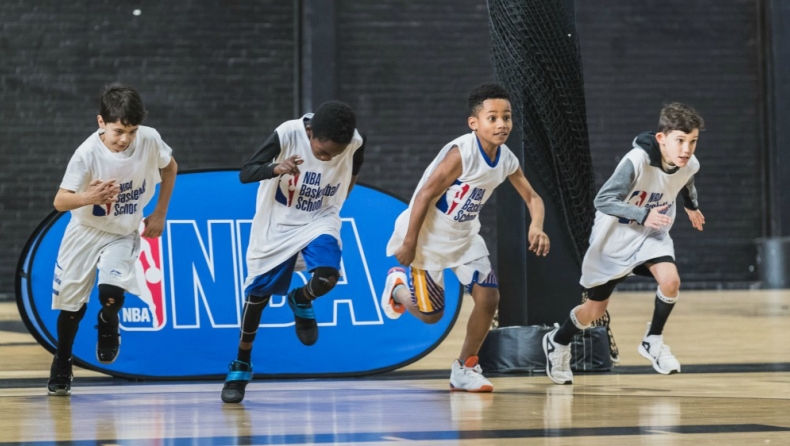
395, 276
468, 377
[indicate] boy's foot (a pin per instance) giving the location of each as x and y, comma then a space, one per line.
558, 359
469, 377
240, 373
109, 341
304, 318
60, 377
654, 349
395, 276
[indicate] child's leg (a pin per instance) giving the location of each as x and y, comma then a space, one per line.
117, 274
666, 274
465, 373
68, 324
556, 343
74, 276
652, 347
424, 299
258, 291
486, 301
322, 258
112, 298
583, 315
250, 320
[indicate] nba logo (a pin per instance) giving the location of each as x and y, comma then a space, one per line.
452, 197
146, 312
286, 189
102, 210
637, 199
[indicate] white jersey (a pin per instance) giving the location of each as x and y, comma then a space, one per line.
291, 211
450, 237
619, 244
136, 170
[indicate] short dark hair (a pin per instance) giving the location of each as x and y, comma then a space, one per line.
677, 116
121, 103
482, 92
334, 121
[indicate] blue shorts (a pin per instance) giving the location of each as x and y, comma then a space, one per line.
323, 251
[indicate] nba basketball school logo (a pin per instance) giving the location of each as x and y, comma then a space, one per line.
639, 198
461, 202
191, 288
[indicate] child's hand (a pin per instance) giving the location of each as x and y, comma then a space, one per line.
102, 192
655, 219
538, 241
289, 166
154, 225
405, 254
697, 219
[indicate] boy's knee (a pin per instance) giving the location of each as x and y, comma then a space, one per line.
593, 309
431, 318
489, 301
323, 280
670, 286
111, 297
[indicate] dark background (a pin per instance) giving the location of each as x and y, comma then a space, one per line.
218, 76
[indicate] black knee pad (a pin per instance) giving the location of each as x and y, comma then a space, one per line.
111, 297
323, 280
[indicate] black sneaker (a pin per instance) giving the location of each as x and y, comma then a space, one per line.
304, 318
60, 377
109, 341
240, 373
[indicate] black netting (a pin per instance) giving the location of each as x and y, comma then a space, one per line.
536, 57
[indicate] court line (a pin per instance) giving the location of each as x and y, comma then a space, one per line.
492, 434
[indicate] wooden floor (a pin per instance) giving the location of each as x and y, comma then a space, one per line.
734, 389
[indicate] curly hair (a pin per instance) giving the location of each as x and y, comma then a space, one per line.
334, 121
677, 116
482, 92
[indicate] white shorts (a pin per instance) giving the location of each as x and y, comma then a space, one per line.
82, 251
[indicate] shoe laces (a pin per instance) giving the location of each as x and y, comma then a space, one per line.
473, 370
561, 357
565, 359
662, 351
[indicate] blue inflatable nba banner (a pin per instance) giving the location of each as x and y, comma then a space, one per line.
186, 325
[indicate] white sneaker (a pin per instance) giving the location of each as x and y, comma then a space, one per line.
558, 359
469, 377
654, 349
395, 276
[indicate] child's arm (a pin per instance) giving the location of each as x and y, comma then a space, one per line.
262, 166
538, 240
98, 192
155, 223
359, 158
691, 206
611, 199
448, 170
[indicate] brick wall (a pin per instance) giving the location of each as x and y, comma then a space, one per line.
217, 76
407, 68
638, 56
